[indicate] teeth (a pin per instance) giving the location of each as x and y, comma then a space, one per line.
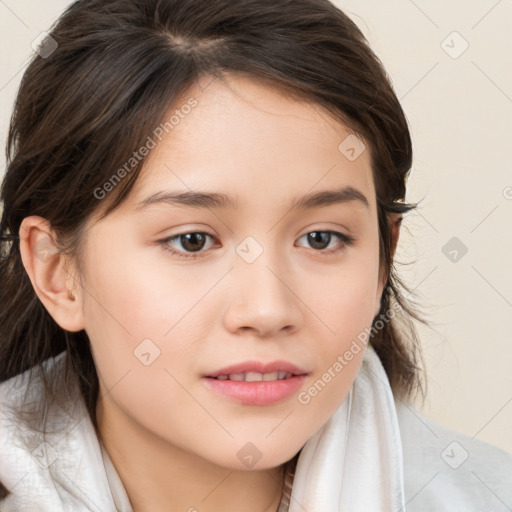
253, 377
256, 376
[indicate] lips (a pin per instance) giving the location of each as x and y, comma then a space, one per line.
255, 393
255, 382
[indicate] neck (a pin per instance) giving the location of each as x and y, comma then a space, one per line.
159, 477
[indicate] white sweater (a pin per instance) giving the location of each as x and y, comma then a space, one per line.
375, 454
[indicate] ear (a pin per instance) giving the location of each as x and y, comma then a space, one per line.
51, 273
395, 220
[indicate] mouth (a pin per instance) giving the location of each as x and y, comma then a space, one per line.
255, 383
255, 392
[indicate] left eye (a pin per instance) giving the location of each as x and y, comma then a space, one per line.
319, 238
193, 242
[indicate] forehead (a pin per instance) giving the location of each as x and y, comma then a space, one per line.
252, 141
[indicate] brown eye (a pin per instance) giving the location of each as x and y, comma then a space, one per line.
320, 240
191, 242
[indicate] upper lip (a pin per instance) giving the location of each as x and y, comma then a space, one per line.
259, 367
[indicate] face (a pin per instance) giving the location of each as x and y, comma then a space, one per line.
176, 291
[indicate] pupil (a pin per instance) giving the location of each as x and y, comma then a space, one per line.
319, 237
191, 240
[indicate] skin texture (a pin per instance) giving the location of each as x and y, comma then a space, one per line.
174, 442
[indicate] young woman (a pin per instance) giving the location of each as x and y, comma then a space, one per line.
199, 309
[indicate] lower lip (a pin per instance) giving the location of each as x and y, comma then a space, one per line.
256, 393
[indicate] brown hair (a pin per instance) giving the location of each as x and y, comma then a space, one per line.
82, 111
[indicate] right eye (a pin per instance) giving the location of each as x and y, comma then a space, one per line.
192, 241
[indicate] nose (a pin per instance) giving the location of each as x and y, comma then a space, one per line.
263, 298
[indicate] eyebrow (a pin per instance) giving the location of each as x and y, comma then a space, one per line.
215, 200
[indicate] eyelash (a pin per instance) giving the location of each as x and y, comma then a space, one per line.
346, 240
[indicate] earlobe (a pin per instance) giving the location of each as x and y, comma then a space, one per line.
48, 271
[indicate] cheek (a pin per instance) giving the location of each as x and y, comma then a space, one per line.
346, 305
133, 308
345, 298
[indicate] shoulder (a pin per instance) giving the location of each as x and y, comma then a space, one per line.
26, 387
22, 444
48, 455
449, 471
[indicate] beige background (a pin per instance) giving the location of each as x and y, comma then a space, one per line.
460, 111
